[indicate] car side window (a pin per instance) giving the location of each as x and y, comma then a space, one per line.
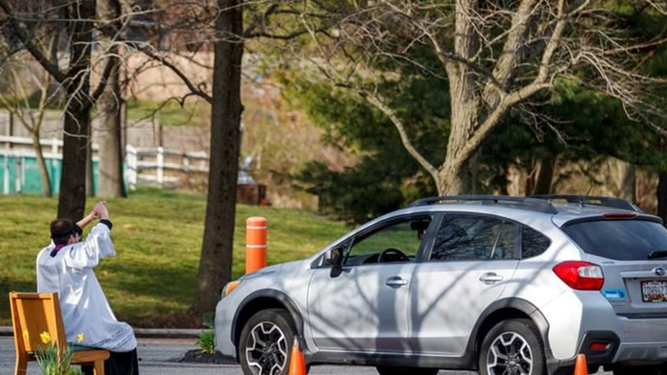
399, 241
533, 243
470, 237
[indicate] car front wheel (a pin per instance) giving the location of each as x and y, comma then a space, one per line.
266, 343
512, 347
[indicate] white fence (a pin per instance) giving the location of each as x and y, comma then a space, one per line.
141, 161
144, 166
54, 145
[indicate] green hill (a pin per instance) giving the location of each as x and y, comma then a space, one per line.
158, 236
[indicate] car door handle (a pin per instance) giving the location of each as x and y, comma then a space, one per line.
396, 282
490, 278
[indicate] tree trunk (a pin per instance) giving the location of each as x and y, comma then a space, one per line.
627, 181
455, 176
662, 196
108, 133
531, 176
545, 176
109, 137
456, 179
72, 200
90, 186
43, 169
215, 265
662, 188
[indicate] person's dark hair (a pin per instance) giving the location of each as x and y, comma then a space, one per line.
62, 229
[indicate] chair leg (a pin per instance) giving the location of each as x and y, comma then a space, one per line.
99, 368
21, 365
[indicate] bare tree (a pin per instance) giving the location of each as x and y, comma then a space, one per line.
29, 24
228, 38
16, 97
216, 258
495, 56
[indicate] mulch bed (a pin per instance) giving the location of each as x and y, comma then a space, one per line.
197, 356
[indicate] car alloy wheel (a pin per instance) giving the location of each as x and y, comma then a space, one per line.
512, 347
509, 354
266, 349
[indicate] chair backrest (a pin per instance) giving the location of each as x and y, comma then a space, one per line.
32, 315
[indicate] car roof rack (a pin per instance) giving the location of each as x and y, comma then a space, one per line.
526, 203
583, 200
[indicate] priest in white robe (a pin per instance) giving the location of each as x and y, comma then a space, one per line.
67, 266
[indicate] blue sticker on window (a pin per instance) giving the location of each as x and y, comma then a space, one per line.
612, 294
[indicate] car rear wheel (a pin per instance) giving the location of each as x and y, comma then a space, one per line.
406, 371
266, 343
512, 347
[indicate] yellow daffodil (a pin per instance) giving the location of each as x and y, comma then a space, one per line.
80, 337
46, 337
26, 335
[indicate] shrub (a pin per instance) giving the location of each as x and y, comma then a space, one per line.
206, 342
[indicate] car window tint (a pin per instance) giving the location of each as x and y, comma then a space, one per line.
619, 239
504, 248
468, 237
405, 236
533, 243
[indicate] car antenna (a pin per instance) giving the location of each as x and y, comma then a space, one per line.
585, 198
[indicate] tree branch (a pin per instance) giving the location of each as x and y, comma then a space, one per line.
196, 91
405, 138
30, 46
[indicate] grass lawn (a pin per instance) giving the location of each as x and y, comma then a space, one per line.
158, 236
194, 112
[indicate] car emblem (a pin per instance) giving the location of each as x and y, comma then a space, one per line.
660, 271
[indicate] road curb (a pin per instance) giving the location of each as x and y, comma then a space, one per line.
143, 333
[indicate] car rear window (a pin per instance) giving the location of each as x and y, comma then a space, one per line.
619, 239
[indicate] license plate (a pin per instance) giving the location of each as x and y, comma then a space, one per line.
654, 291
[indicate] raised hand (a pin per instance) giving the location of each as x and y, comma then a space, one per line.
101, 210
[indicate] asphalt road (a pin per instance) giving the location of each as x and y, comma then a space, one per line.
158, 357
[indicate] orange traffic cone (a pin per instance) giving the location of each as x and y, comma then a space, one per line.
580, 366
297, 363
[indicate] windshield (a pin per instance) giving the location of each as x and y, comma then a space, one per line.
619, 239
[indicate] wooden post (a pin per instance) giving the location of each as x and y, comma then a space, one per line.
8, 148
160, 165
131, 158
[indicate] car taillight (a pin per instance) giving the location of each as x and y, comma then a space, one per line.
580, 275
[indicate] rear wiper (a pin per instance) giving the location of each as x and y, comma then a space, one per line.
657, 254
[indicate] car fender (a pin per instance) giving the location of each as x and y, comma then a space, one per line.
273, 294
509, 304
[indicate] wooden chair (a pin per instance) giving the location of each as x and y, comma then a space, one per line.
34, 313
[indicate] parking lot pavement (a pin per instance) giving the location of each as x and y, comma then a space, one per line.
157, 357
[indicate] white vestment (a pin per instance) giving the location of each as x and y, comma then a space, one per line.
84, 307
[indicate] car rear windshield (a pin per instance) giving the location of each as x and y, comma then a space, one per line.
619, 239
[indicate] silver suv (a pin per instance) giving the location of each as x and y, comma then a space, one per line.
501, 285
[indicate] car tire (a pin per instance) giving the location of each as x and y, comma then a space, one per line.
386, 370
519, 342
266, 343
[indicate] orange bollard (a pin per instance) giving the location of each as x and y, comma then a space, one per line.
297, 362
255, 248
580, 366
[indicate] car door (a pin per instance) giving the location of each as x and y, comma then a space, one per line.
472, 260
365, 307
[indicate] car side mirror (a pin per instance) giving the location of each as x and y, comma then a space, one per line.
336, 257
